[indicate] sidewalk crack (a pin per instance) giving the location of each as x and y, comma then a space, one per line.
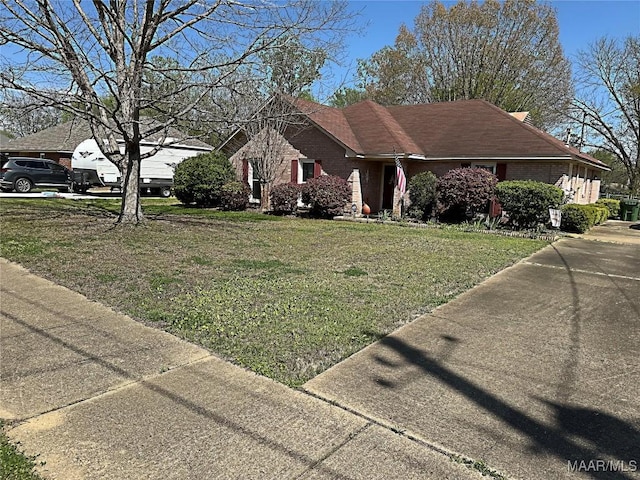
333, 450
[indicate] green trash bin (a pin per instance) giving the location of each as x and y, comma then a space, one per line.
629, 209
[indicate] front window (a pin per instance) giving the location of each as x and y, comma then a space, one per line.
307, 170
488, 166
254, 182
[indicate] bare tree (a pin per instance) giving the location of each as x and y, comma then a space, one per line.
267, 146
95, 60
22, 115
288, 70
607, 102
507, 53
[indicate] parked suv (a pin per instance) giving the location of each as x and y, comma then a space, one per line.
22, 174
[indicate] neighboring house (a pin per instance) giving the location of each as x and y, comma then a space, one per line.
360, 142
59, 142
55, 143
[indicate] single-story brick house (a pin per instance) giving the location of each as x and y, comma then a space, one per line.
360, 142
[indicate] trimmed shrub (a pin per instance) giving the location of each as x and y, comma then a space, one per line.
326, 195
234, 196
422, 194
463, 192
574, 219
284, 198
597, 213
199, 180
612, 205
580, 218
528, 202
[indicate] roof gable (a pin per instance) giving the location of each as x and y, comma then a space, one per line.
378, 131
332, 121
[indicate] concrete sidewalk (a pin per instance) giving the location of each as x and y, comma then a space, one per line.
536, 367
100, 396
536, 371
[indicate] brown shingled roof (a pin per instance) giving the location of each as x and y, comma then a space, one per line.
446, 130
332, 121
378, 131
63, 138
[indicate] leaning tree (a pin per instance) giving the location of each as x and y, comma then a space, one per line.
111, 62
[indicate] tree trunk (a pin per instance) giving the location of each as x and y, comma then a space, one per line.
265, 197
634, 181
131, 210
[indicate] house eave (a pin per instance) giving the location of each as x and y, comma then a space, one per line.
386, 156
473, 158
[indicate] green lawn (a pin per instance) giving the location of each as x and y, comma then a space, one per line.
14, 465
284, 297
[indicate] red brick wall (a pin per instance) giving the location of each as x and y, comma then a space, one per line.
315, 145
540, 172
439, 168
524, 170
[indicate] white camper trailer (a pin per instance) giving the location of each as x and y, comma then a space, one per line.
92, 169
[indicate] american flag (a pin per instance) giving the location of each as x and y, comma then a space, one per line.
401, 179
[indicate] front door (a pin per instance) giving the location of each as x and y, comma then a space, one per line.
388, 186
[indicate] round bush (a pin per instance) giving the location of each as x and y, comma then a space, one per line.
463, 192
326, 195
611, 204
574, 218
200, 179
234, 196
528, 202
284, 198
422, 194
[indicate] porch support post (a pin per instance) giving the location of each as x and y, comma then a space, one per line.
397, 203
356, 190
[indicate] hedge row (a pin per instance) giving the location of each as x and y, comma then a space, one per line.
580, 218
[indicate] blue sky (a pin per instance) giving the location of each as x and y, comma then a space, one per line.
581, 22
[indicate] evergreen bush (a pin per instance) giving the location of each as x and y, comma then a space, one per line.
527, 202
612, 205
198, 180
580, 218
422, 194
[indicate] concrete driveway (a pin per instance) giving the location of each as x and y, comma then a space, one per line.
45, 194
536, 371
